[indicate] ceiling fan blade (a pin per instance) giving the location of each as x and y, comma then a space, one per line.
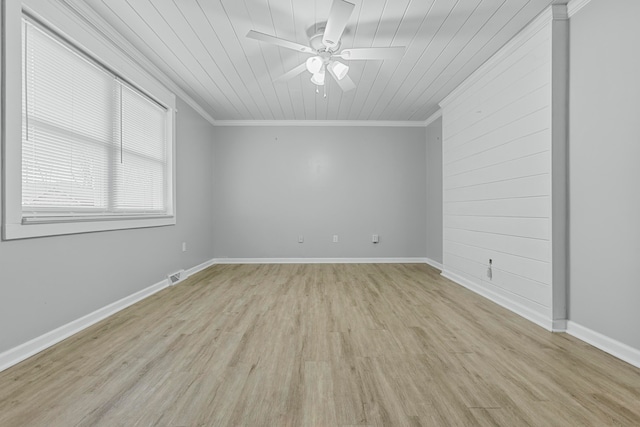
280, 42
346, 84
372, 53
291, 73
338, 17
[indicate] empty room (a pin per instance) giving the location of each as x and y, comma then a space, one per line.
320, 213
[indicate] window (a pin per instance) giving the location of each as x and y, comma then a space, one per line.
95, 149
91, 144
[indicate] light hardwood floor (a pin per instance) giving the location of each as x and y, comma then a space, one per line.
319, 345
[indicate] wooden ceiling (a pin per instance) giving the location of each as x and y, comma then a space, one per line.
202, 46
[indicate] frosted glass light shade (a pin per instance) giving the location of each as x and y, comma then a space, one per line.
318, 78
339, 69
314, 64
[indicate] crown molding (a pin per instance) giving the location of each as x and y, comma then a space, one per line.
357, 123
536, 25
432, 118
130, 52
575, 5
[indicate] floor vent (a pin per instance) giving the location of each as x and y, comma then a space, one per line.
175, 277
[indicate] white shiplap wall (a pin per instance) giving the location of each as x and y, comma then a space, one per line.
497, 176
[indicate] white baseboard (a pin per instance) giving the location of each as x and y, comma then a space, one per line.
23, 351
36, 345
199, 267
434, 264
18, 354
537, 318
559, 325
615, 348
320, 261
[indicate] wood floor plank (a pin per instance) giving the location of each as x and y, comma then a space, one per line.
319, 345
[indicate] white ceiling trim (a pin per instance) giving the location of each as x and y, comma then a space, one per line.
575, 5
533, 27
432, 118
87, 14
360, 123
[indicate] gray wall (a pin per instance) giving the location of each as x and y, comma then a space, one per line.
48, 282
272, 184
604, 170
434, 191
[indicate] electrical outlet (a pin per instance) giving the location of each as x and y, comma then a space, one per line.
375, 238
301, 239
335, 238
184, 246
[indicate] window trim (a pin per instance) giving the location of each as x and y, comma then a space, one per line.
54, 16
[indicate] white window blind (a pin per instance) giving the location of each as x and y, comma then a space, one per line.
92, 145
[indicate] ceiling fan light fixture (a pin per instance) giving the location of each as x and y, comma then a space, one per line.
314, 64
325, 48
318, 78
339, 69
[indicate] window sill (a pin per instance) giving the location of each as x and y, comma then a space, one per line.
58, 227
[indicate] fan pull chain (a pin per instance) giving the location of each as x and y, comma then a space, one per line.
325, 90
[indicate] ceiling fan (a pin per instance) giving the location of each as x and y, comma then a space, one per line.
325, 49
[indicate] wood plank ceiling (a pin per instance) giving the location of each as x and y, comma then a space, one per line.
202, 46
